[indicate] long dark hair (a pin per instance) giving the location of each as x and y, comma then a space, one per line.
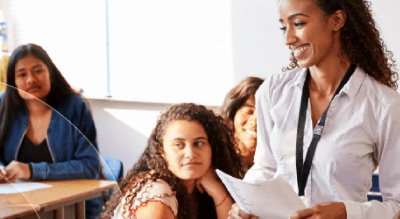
361, 41
12, 102
151, 164
237, 96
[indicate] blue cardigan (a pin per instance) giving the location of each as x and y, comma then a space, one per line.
71, 138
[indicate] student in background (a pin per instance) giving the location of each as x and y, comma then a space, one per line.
46, 128
175, 176
238, 111
329, 122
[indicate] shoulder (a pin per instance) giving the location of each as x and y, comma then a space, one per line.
280, 83
159, 193
73, 105
74, 100
158, 188
380, 94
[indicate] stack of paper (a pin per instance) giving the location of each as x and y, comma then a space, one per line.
273, 198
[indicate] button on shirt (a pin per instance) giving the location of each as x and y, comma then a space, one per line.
362, 131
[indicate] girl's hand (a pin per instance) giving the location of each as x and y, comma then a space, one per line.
3, 174
211, 184
18, 171
208, 181
237, 213
326, 210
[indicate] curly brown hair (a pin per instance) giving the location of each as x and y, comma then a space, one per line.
151, 164
360, 40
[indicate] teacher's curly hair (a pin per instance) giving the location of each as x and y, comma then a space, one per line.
361, 41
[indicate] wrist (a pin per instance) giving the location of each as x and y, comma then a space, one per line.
30, 170
217, 204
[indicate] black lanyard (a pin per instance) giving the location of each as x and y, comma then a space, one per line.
304, 170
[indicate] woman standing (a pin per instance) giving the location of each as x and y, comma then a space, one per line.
328, 123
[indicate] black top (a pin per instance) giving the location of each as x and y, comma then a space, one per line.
30, 152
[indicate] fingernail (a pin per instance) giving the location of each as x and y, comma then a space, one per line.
293, 215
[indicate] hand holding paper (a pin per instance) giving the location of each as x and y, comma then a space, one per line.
273, 198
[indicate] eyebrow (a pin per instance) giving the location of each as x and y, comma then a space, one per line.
198, 138
293, 15
35, 66
249, 105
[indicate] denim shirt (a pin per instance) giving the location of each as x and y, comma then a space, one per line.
71, 138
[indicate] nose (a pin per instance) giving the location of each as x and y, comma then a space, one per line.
30, 78
290, 36
253, 120
189, 151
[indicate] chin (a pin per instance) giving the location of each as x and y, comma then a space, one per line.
251, 143
305, 63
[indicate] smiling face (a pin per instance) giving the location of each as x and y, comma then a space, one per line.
32, 78
245, 124
308, 32
187, 150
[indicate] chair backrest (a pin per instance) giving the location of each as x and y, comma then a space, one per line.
112, 168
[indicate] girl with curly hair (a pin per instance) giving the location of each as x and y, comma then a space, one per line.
238, 111
328, 123
175, 177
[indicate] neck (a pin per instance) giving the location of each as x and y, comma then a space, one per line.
189, 184
246, 154
36, 107
325, 80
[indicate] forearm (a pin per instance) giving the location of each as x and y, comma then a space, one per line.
371, 210
74, 169
222, 208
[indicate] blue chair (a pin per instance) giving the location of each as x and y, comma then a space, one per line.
374, 193
112, 169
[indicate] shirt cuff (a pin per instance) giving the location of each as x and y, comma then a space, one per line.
30, 170
353, 210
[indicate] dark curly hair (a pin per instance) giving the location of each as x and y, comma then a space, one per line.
151, 164
237, 96
360, 40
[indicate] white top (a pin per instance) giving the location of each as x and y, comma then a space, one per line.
362, 131
158, 191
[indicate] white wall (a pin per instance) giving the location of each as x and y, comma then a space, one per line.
258, 50
123, 127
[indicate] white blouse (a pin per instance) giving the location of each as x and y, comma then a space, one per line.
157, 190
362, 131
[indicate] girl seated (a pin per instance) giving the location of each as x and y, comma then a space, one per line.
175, 176
239, 113
46, 128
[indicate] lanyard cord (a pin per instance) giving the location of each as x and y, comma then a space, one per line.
304, 170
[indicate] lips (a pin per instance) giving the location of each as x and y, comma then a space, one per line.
299, 50
191, 163
33, 89
251, 132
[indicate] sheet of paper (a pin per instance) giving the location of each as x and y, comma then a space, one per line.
19, 186
273, 198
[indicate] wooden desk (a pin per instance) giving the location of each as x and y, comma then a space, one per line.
65, 199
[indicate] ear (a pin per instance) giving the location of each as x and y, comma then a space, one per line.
338, 20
